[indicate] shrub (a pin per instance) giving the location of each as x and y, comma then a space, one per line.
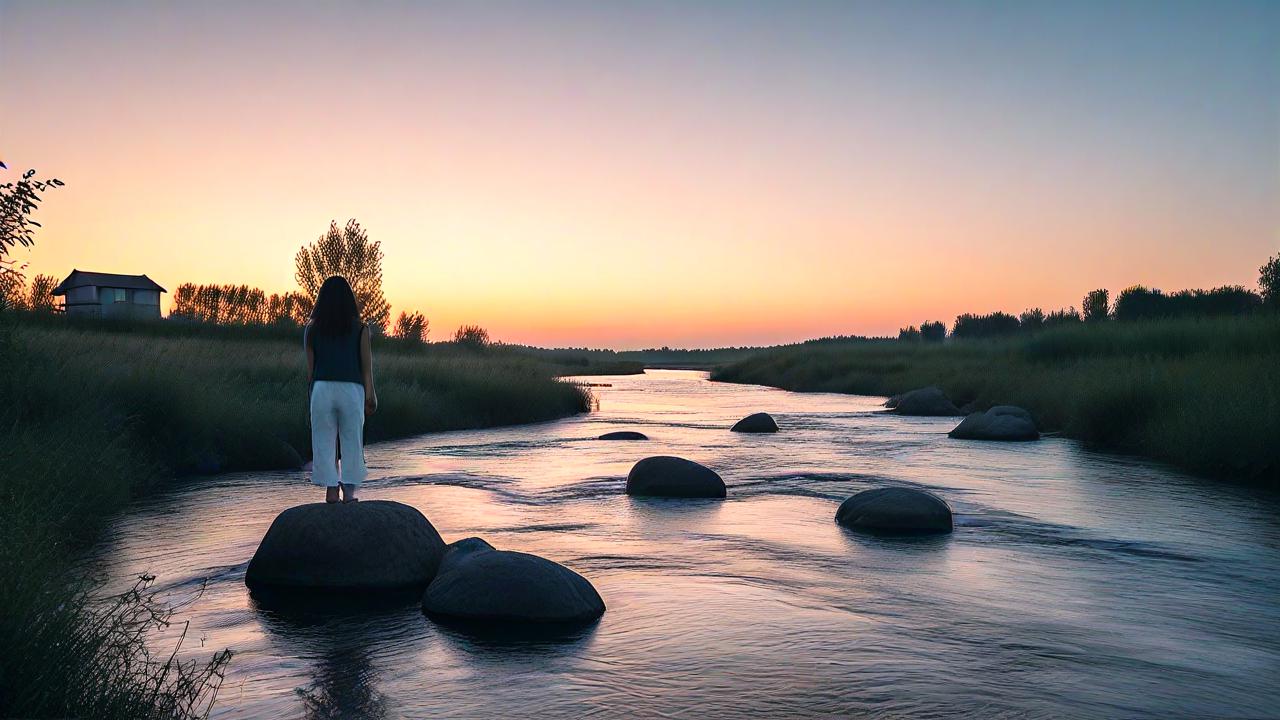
1139, 303
40, 297
985, 326
471, 336
1269, 282
412, 328
1031, 320
934, 331
1097, 306
13, 290
1065, 316
1225, 300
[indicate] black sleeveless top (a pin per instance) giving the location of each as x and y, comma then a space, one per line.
337, 357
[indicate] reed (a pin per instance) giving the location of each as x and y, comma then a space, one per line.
1200, 393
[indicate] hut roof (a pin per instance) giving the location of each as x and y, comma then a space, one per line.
81, 278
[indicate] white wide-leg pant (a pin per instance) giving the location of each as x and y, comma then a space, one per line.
337, 416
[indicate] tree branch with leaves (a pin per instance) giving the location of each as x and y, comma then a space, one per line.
18, 201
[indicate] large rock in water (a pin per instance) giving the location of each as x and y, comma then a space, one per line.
477, 582
925, 402
1002, 422
370, 545
665, 476
624, 435
757, 423
895, 510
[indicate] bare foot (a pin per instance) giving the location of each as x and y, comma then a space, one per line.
331, 494
349, 493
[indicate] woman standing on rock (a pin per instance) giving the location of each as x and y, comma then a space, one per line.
340, 373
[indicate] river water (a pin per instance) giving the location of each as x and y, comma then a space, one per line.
1075, 584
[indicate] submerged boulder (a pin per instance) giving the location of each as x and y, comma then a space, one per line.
1002, 422
895, 510
666, 476
757, 423
477, 582
624, 435
925, 402
362, 546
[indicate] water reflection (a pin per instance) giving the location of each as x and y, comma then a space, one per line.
508, 643
1075, 583
343, 687
339, 642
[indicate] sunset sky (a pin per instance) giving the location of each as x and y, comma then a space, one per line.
645, 173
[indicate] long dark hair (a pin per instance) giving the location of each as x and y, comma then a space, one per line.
335, 312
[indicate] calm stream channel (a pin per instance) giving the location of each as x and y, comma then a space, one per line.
1075, 584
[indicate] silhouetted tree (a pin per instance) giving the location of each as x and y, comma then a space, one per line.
471, 336
1140, 303
984, 326
827, 340
220, 304
1097, 306
909, 334
412, 327
934, 331
13, 290
347, 252
1225, 300
238, 305
1065, 316
40, 296
1137, 302
291, 308
1031, 319
1269, 282
18, 200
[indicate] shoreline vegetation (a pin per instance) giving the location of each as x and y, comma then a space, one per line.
97, 413
1199, 393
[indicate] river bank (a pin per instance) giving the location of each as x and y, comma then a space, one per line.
1201, 394
95, 415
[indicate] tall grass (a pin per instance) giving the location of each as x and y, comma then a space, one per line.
1202, 394
94, 414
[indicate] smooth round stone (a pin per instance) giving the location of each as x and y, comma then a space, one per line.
478, 582
758, 423
371, 545
666, 476
624, 435
1002, 422
895, 510
925, 402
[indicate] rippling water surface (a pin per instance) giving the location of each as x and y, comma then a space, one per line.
1075, 584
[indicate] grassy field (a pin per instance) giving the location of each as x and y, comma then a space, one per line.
95, 414
1201, 394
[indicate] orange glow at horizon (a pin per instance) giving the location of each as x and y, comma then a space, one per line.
712, 179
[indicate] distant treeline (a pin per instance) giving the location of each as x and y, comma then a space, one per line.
1133, 304
637, 359
238, 305
245, 305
